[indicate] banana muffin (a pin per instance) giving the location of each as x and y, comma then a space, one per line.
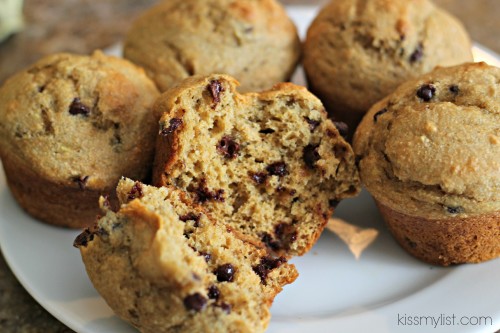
70, 127
269, 164
164, 266
252, 40
357, 52
430, 155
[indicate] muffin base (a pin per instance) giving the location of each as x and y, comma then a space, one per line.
446, 241
51, 202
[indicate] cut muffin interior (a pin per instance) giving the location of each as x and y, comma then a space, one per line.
164, 266
269, 164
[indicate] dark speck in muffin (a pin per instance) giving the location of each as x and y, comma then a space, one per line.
267, 264
378, 114
215, 88
77, 107
81, 181
225, 273
213, 292
225, 307
454, 89
259, 177
174, 124
311, 155
191, 217
333, 203
195, 302
204, 194
455, 210
135, 191
426, 92
267, 131
206, 256
228, 147
277, 169
84, 238
313, 124
418, 54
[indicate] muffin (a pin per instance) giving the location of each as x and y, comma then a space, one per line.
269, 164
430, 155
70, 127
254, 41
164, 266
357, 52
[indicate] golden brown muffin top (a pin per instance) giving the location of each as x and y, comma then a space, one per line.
432, 148
80, 120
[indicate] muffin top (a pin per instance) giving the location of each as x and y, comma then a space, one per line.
79, 120
357, 52
432, 148
252, 40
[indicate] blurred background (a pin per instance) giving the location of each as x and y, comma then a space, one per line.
83, 25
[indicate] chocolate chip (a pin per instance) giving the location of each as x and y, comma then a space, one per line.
269, 241
342, 128
418, 54
213, 292
77, 107
313, 124
455, 210
195, 302
225, 307
225, 273
277, 169
411, 243
284, 235
378, 114
311, 155
426, 92
206, 255
259, 177
454, 89
174, 124
191, 217
135, 191
84, 238
267, 264
215, 88
228, 147
267, 131
81, 181
203, 194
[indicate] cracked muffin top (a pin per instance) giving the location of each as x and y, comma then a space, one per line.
432, 148
79, 121
253, 40
357, 52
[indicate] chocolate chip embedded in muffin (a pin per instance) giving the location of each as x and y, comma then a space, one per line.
174, 124
216, 89
77, 107
225, 273
195, 302
311, 155
426, 92
228, 147
277, 169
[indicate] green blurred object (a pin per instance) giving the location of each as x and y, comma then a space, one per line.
11, 17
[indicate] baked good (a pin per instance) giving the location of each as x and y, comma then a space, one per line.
164, 266
269, 164
254, 41
430, 156
357, 52
70, 127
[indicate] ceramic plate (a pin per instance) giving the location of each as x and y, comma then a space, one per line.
386, 290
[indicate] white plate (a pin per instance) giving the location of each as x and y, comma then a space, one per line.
382, 292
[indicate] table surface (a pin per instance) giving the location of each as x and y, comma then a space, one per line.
88, 25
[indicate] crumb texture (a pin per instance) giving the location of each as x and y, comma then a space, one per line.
164, 266
269, 164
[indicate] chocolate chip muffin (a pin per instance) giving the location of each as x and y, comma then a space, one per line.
70, 127
430, 156
269, 164
164, 266
357, 52
254, 41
